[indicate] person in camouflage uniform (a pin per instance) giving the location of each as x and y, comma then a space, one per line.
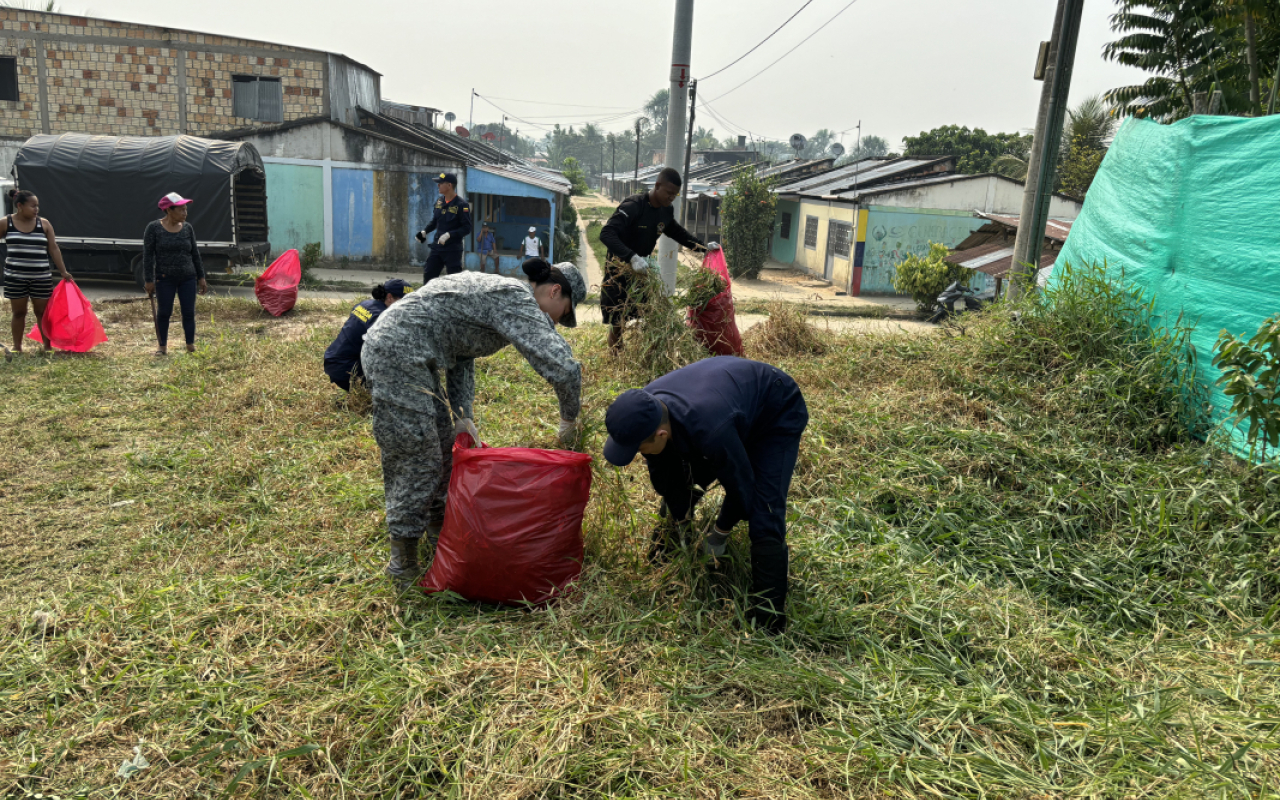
445, 326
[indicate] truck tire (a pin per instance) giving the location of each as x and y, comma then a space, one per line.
138, 276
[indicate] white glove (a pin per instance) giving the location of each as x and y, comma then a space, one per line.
714, 246
444, 239
420, 236
568, 430
639, 263
465, 425
715, 543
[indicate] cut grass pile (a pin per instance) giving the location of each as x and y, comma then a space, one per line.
1013, 575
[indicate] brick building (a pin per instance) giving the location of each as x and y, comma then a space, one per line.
61, 73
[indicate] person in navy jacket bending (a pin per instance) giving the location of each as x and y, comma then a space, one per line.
722, 419
342, 358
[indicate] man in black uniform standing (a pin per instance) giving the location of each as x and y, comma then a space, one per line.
630, 236
451, 221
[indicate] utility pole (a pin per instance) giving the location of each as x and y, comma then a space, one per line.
677, 106
688, 150
502, 136
471, 118
636, 178
1042, 166
613, 166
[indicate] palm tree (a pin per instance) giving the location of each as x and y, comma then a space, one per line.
1089, 125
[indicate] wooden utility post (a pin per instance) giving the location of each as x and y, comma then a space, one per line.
1043, 164
688, 151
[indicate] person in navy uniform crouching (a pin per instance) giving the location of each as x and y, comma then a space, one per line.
342, 358
722, 419
451, 222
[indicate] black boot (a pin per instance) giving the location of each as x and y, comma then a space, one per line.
768, 610
403, 567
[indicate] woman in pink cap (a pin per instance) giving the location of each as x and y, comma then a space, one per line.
171, 264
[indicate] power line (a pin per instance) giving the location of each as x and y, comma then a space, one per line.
762, 41
789, 52
544, 103
530, 120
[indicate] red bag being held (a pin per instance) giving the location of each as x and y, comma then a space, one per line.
69, 321
277, 286
715, 325
513, 524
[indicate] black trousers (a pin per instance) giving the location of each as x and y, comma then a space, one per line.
446, 261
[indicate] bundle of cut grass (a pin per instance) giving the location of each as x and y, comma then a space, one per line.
785, 333
659, 341
698, 287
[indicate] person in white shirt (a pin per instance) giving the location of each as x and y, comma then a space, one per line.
532, 244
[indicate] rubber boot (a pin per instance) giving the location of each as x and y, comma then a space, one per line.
403, 567
768, 610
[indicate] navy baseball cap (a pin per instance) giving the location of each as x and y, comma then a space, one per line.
397, 287
633, 417
447, 177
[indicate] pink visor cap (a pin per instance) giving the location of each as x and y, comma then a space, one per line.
172, 199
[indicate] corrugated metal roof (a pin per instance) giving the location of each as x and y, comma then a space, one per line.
1055, 229
994, 259
530, 175
888, 188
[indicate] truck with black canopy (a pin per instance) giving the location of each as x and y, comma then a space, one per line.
101, 191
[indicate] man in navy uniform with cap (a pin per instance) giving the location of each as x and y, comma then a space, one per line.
451, 222
722, 419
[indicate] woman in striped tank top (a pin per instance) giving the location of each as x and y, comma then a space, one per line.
30, 245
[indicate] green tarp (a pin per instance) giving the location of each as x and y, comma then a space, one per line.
1190, 213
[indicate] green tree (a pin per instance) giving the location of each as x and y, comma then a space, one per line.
749, 209
1091, 122
1193, 46
1076, 171
976, 150
577, 178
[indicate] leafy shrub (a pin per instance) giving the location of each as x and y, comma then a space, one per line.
578, 178
925, 278
749, 210
310, 257
1251, 378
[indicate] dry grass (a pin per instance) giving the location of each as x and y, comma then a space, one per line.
786, 333
1012, 577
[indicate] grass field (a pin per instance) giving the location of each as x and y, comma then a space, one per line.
1014, 575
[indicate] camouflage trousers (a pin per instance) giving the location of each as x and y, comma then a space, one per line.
417, 458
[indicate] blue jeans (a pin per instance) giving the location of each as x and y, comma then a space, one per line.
185, 291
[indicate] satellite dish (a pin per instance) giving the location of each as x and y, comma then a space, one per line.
798, 142
450, 116
463, 132
489, 136
837, 149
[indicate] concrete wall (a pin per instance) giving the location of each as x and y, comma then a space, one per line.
784, 250
989, 193
122, 79
895, 233
813, 260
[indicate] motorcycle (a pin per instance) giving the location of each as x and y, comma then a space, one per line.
945, 305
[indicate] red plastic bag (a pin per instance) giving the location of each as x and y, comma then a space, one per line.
513, 524
715, 326
277, 286
69, 321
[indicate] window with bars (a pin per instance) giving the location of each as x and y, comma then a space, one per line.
786, 225
839, 237
8, 78
257, 97
811, 233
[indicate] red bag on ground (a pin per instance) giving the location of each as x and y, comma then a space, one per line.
277, 286
513, 524
715, 325
69, 321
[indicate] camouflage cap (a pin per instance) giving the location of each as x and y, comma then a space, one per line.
578, 293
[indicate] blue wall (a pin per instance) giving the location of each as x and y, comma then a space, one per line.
513, 229
895, 233
422, 200
353, 213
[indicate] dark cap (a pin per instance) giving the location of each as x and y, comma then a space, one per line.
447, 177
632, 418
396, 287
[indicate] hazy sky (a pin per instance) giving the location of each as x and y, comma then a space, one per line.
899, 66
